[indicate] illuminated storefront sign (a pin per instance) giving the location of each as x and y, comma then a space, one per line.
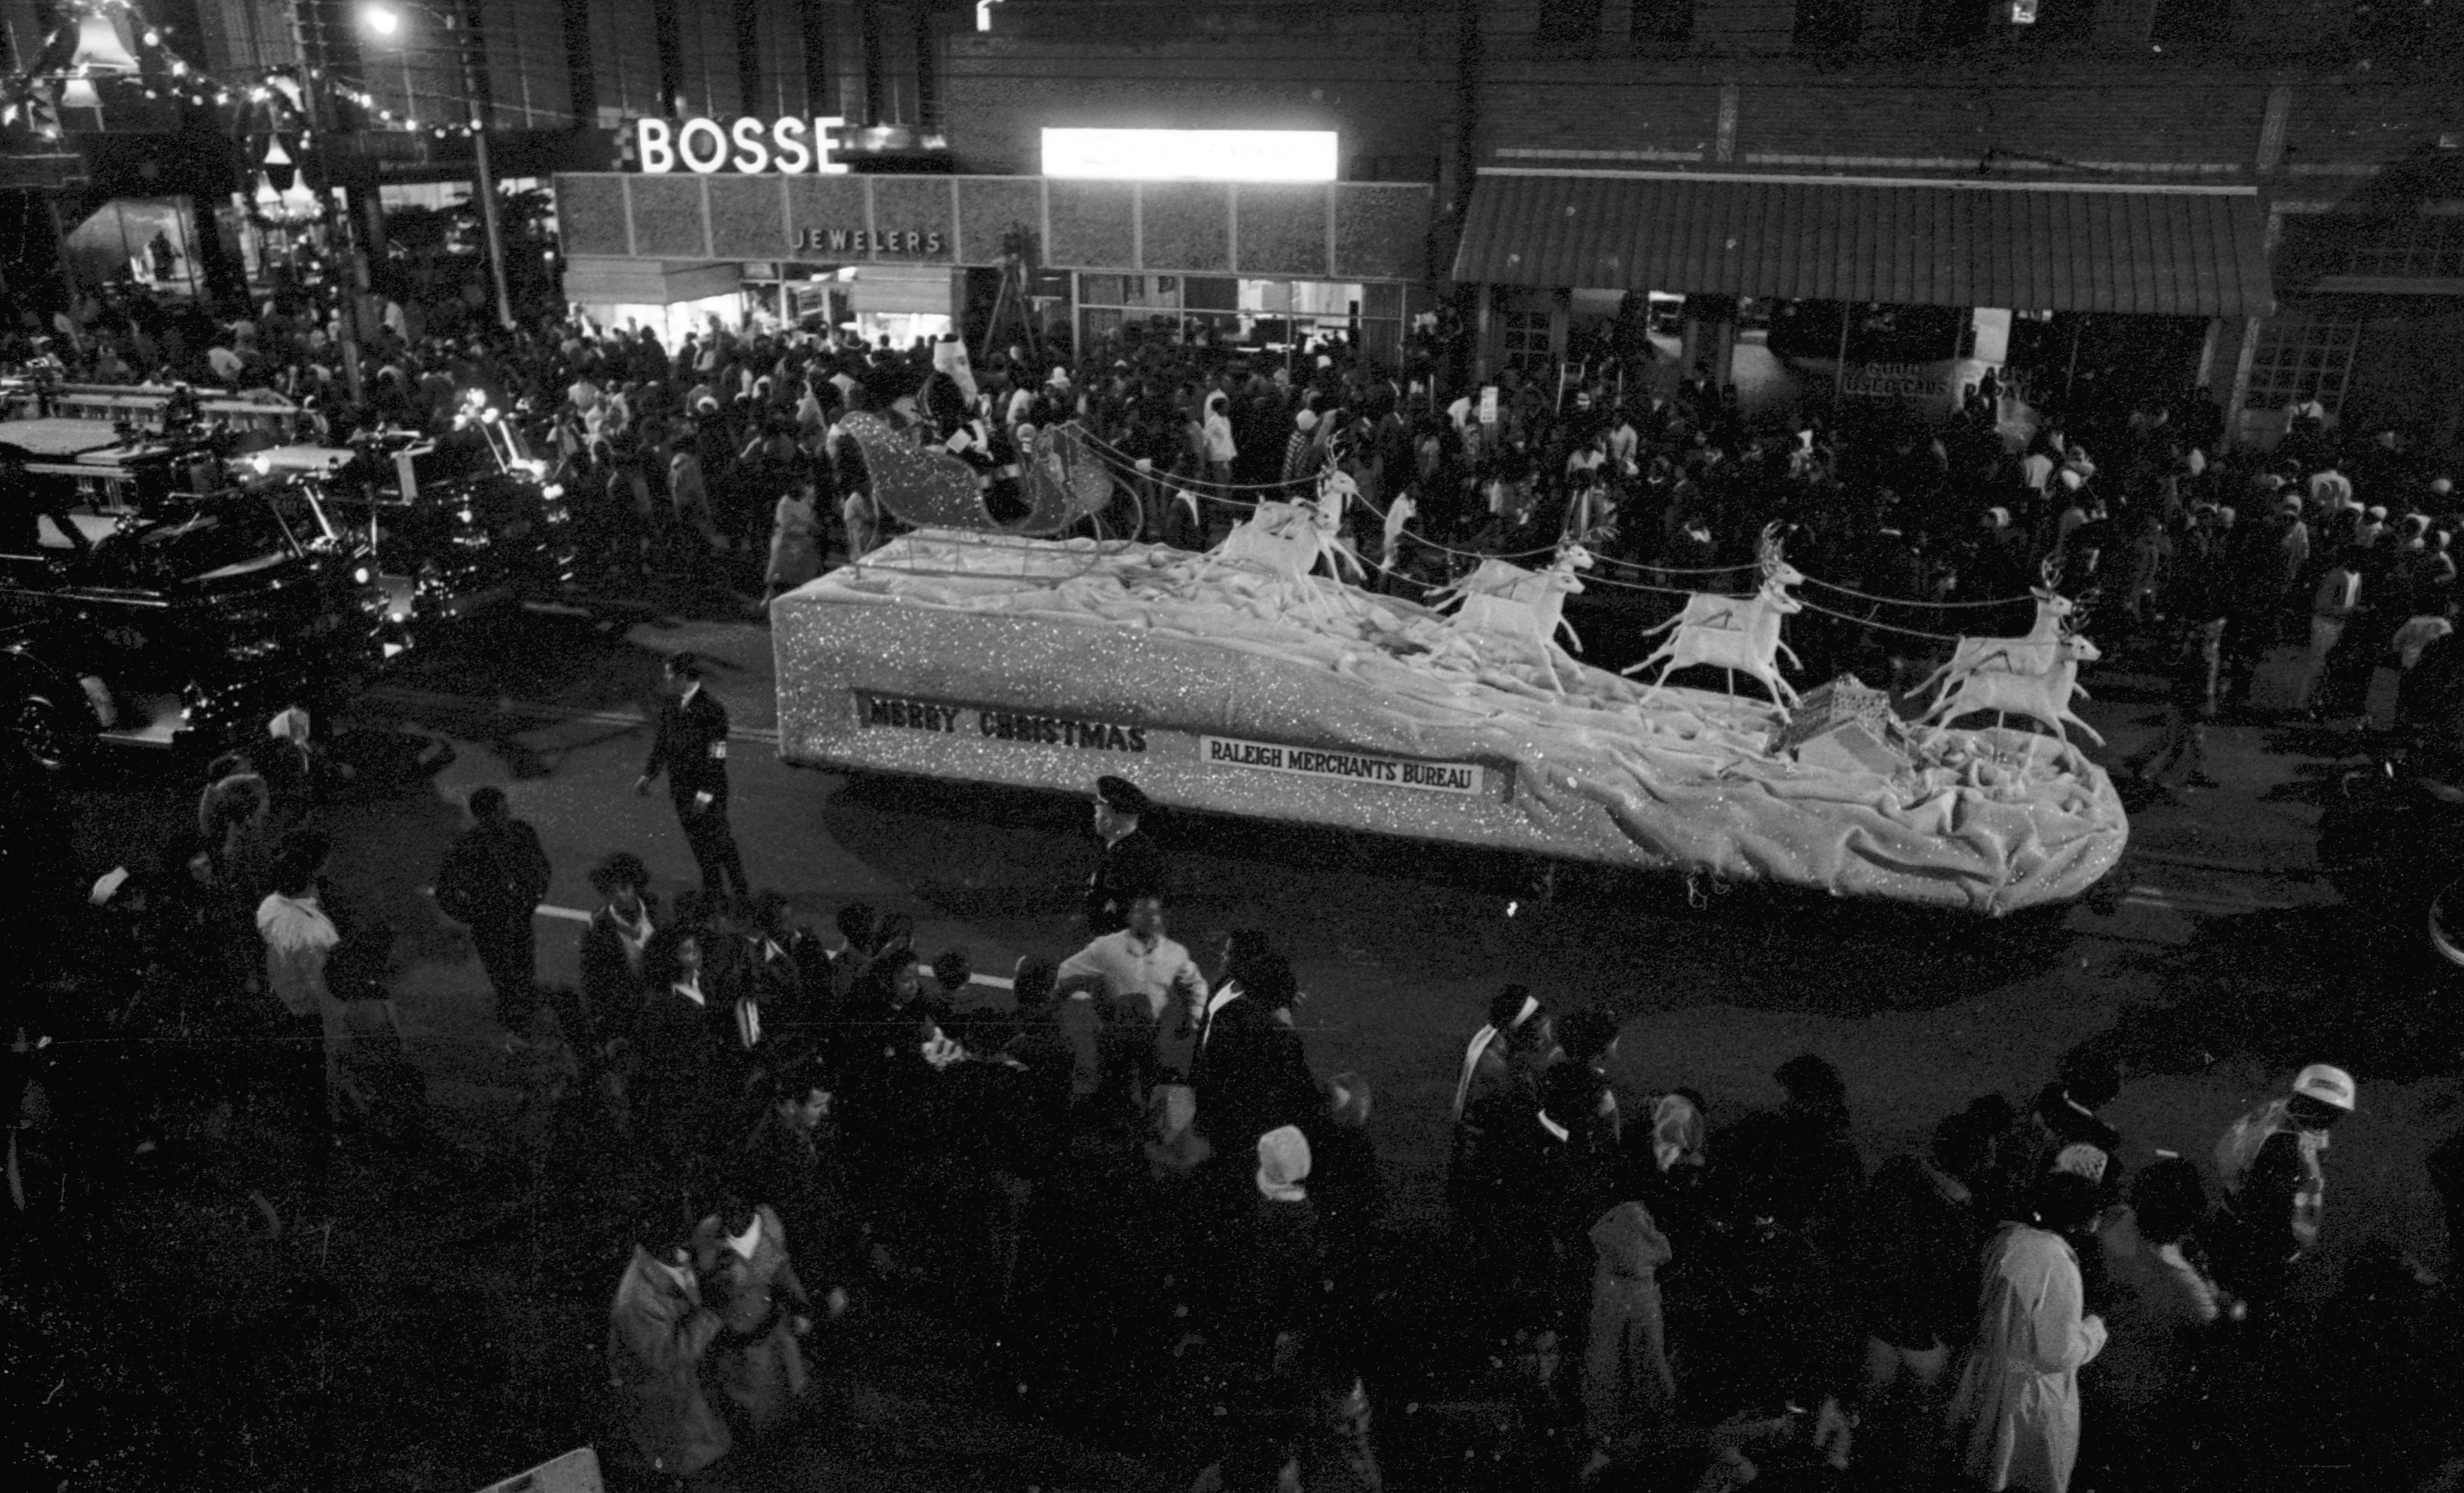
791, 146
1191, 155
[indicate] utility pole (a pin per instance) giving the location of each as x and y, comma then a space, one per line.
466, 46
316, 93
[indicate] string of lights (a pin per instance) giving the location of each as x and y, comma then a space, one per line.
112, 42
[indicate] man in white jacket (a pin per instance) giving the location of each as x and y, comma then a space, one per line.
298, 938
2017, 1414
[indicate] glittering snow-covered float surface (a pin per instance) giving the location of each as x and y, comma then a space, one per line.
990, 659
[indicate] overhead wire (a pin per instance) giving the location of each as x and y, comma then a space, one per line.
1124, 469
1116, 455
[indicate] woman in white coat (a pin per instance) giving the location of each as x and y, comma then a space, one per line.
2016, 1415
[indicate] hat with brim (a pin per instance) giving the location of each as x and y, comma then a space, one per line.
1122, 795
2324, 1085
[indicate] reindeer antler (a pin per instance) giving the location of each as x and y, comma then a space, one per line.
1767, 549
2051, 572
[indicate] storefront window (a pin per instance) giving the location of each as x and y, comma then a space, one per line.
1269, 315
2428, 248
2306, 353
1524, 346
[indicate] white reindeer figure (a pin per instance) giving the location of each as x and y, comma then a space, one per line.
2032, 653
1286, 539
1740, 634
2041, 695
1509, 600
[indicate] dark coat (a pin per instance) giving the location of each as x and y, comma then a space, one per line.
1044, 1092
611, 992
1128, 869
495, 872
1253, 1077
684, 1090
805, 1177
1919, 1241
1272, 1309
691, 748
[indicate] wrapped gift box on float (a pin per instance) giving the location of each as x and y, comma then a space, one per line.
1846, 726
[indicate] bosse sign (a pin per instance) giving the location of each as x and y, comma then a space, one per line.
791, 146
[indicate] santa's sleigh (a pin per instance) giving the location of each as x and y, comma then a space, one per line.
1062, 480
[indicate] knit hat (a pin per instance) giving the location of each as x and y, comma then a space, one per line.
1676, 1132
1306, 420
1283, 1164
2080, 1159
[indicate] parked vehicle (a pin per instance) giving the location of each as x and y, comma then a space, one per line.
147, 601
456, 527
2391, 842
148, 408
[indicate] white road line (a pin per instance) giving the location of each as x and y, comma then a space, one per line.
2200, 901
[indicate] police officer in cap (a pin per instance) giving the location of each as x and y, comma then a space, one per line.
1129, 866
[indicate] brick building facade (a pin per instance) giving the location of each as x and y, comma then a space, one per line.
2336, 129
2324, 138
2347, 136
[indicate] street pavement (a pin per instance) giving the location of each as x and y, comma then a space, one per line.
2214, 960
1399, 947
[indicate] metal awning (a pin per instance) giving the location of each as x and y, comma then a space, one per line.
2168, 250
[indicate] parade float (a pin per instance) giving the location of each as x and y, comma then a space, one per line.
1241, 681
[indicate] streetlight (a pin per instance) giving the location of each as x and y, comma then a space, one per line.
386, 20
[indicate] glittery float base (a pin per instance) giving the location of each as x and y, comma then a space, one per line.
1046, 664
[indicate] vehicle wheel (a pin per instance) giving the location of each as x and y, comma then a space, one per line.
2445, 921
1122, 516
48, 731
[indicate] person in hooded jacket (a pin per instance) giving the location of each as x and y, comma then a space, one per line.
1629, 1392
1270, 1331
1217, 446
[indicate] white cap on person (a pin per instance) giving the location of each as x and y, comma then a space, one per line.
2327, 1085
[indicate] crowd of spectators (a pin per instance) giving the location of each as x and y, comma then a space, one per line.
1120, 1166
724, 457
1121, 1163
